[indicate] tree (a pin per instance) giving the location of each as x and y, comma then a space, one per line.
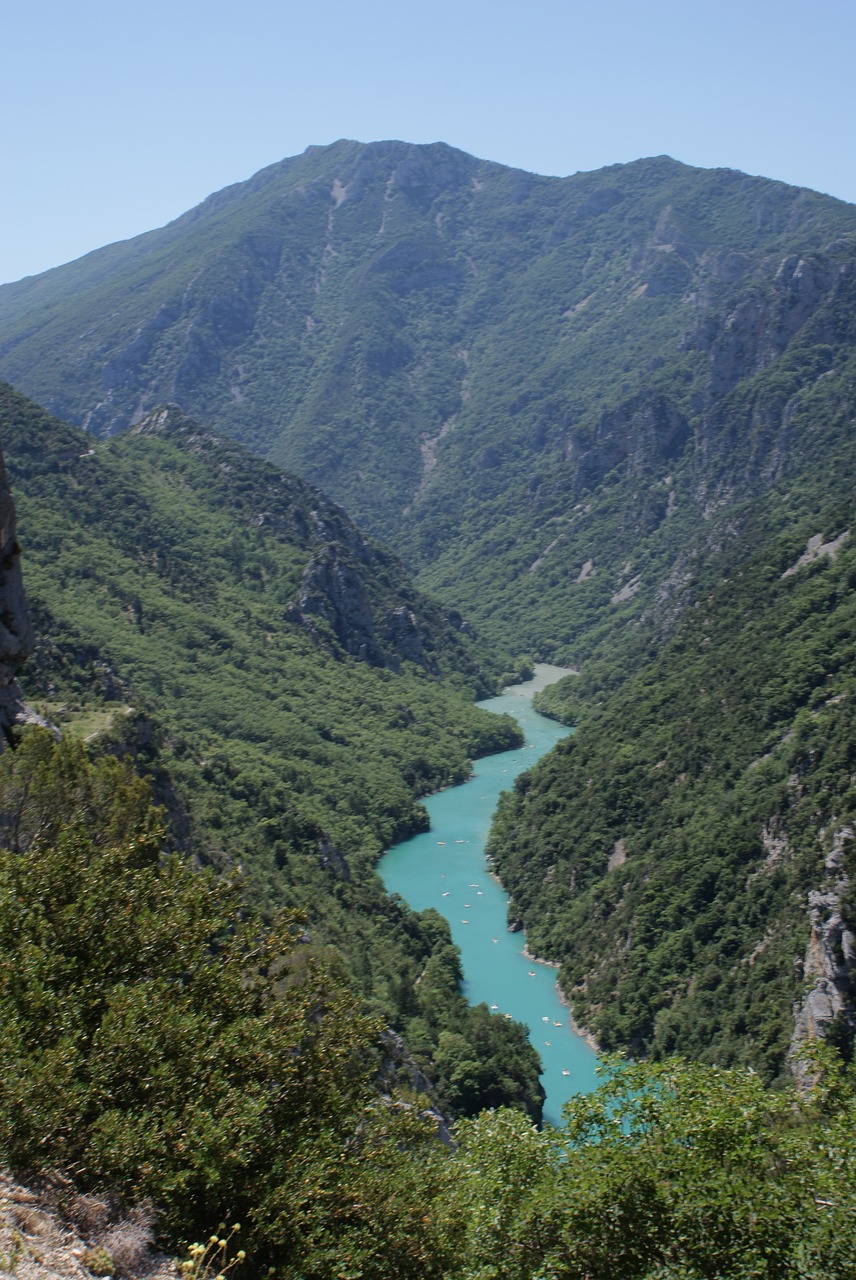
668, 1170
157, 1041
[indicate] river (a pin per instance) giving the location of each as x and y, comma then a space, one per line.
445, 868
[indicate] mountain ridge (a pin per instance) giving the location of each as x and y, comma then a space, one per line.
458, 351
584, 405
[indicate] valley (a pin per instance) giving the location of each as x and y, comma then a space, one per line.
582, 406
437, 869
606, 422
282, 759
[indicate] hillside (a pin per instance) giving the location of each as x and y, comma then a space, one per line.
218, 1084
538, 389
595, 409
610, 419
196, 609
689, 853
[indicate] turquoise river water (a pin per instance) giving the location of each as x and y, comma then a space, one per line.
445, 868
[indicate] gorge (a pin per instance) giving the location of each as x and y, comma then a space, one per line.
446, 868
606, 422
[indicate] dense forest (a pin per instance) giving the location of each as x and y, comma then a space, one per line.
172, 586
164, 1042
697, 807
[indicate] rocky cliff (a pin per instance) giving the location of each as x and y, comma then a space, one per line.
16, 631
828, 1008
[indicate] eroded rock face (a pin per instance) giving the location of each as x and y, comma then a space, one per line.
830, 963
401, 632
335, 591
644, 433
16, 630
762, 324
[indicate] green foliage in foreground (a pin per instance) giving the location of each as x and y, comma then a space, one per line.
158, 1040
668, 1171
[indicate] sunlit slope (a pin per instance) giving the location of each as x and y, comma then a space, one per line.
538, 388
196, 595
688, 854
193, 569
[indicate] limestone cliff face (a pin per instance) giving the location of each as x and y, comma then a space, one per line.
16, 631
762, 325
800, 309
645, 433
336, 592
353, 597
830, 961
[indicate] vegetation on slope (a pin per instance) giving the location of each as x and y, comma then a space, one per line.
665, 853
536, 388
562, 398
160, 1040
163, 569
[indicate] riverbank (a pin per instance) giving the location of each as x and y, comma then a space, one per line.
446, 869
577, 1028
545, 674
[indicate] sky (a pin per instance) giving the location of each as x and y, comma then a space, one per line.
117, 117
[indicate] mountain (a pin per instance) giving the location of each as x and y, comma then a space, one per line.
171, 1061
608, 412
689, 854
289, 692
538, 389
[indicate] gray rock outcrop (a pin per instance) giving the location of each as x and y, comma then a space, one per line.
16, 630
335, 592
829, 965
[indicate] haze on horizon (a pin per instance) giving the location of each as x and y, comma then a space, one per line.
124, 119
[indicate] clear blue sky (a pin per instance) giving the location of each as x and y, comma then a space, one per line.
118, 116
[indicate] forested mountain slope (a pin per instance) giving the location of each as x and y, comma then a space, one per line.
585, 406
540, 389
612, 413
689, 853
206, 605
169, 1062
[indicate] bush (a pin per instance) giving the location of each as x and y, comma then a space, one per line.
157, 1041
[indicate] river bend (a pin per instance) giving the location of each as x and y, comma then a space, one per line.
445, 868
